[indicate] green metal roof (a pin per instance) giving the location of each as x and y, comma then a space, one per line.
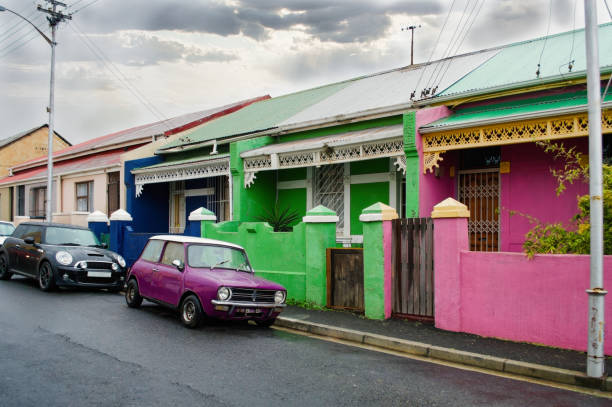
192, 160
258, 116
517, 63
510, 111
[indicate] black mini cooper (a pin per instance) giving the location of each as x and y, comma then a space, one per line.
60, 255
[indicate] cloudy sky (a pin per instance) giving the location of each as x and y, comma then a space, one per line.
122, 63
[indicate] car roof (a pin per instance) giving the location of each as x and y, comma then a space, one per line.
57, 225
191, 239
6, 223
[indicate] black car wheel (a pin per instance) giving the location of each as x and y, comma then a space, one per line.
191, 312
132, 294
265, 323
4, 273
46, 280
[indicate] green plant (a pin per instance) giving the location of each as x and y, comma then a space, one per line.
556, 238
281, 220
306, 305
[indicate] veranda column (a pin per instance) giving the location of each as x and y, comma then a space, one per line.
377, 256
450, 238
320, 234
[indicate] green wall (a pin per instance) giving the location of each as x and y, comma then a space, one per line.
412, 165
294, 199
362, 196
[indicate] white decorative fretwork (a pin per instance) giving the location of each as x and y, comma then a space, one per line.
249, 179
207, 169
400, 162
327, 155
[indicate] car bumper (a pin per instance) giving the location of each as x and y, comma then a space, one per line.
245, 310
69, 277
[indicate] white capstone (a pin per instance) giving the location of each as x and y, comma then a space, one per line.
197, 215
122, 215
371, 217
320, 219
97, 216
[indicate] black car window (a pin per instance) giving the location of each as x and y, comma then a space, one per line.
21, 231
174, 251
34, 232
70, 236
152, 251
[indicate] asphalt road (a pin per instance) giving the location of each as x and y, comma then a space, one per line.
83, 348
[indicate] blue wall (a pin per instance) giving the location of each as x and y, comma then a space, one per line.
150, 210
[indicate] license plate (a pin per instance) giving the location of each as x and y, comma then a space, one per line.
106, 274
249, 310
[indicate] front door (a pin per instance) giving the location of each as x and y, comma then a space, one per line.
479, 190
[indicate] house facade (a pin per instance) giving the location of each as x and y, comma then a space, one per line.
19, 148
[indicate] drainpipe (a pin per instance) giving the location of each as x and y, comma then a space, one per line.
595, 350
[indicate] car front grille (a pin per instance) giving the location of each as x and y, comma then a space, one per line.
99, 265
252, 295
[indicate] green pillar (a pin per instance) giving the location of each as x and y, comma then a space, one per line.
320, 234
412, 165
377, 259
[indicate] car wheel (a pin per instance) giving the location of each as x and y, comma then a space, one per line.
4, 273
191, 313
132, 295
265, 323
46, 280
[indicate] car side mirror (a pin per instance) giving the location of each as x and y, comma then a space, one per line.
29, 240
178, 264
104, 245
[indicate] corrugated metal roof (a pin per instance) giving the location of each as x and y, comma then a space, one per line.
509, 111
335, 140
259, 116
76, 165
389, 88
517, 63
176, 163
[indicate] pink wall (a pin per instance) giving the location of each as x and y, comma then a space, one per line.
530, 188
506, 295
431, 189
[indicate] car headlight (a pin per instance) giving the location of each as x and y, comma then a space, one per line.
279, 297
120, 260
115, 267
224, 293
63, 257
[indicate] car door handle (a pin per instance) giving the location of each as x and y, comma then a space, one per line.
155, 270
17, 245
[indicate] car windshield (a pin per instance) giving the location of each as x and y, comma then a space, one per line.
70, 237
6, 229
200, 256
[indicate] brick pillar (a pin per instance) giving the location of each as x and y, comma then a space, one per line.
377, 256
320, 234
450, 238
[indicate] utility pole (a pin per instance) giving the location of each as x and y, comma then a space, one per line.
596, 292
411, 28
55, 17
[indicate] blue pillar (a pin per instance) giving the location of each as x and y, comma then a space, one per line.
98, 223
119, 220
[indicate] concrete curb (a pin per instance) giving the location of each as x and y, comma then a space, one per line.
552, 374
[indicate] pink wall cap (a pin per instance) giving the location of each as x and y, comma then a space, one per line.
97, 216
202, 214
377, 213
120, 214
450, 208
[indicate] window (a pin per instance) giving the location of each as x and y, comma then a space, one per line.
84, 196
39, 202
70, 236
24, 231
201, 256
152, 251
174, 251
21, 200
112, 192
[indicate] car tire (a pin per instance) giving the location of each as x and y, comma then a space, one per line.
46, 279
266, 323
4, 273
190, 312
132, 294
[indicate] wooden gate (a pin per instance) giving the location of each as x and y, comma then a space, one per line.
345, 279
413, 283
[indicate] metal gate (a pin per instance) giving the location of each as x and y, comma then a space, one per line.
345, 279
479, 190
413, 272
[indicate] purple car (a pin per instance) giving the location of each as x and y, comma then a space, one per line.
202, 278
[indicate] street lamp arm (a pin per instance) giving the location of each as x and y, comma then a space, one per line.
29, 22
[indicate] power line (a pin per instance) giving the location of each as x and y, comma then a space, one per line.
84, 7
545, 38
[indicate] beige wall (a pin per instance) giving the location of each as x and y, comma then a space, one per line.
69, 192
34, 145
5, 204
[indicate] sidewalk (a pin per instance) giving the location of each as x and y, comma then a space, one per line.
494, 350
